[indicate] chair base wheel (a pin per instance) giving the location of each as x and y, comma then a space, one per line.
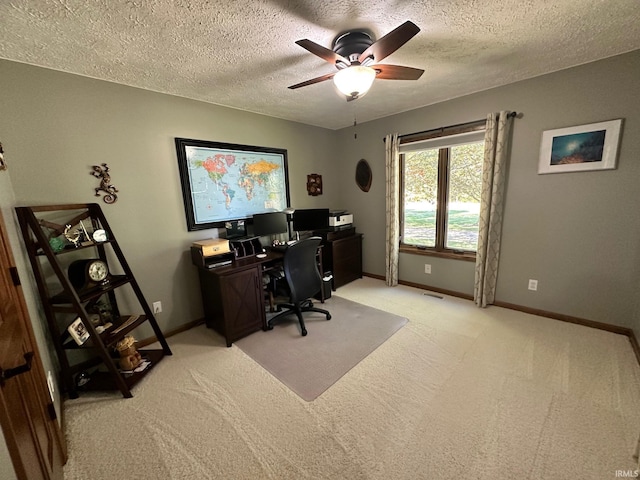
304, 333
328, 316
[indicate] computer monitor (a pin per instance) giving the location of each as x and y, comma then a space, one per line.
310, 219
271, 223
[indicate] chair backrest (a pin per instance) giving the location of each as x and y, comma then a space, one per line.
301, 269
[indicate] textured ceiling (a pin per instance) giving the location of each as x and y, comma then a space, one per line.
242, 54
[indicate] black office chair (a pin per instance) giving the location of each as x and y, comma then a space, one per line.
303, 280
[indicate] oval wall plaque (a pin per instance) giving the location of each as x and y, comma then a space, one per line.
364, 176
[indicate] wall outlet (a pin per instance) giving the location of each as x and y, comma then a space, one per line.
157, 307
533, 285
427, 268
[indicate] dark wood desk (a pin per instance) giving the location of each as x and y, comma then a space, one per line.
342, 254
233, 296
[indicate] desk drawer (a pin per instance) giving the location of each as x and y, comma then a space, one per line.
347, 259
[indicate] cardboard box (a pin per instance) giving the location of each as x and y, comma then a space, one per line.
212, 246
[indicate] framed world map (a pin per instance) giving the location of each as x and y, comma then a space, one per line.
222, 182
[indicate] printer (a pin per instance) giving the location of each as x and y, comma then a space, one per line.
340, 218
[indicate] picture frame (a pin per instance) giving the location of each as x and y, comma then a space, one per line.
78, 331
581, 148
224, 182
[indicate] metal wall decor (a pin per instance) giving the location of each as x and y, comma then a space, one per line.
364, 175
314, 184
102, 172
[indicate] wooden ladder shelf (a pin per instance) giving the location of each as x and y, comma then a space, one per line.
65, 301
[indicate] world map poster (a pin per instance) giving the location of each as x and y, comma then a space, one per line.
231, 184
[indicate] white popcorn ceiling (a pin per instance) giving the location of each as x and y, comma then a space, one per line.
242, 54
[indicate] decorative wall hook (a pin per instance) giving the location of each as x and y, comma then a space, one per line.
102, 172
3, 166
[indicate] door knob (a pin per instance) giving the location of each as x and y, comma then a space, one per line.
12, 372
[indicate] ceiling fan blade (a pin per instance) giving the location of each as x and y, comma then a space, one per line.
327, 55
390, 42
396, 72
313, 80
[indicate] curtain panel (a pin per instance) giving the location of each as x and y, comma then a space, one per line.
392, 168
494, 170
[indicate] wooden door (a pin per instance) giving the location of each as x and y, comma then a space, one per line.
27, 416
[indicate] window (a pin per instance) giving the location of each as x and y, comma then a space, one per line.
441, 181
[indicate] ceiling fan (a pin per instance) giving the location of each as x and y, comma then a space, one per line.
356, 55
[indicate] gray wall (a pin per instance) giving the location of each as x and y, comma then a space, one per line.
578, 234
55, 126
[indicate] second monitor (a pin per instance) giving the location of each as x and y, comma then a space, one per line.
271, 223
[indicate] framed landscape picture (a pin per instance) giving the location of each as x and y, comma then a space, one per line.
224, 182
577, 149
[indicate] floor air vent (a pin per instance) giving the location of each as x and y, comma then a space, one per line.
433, 295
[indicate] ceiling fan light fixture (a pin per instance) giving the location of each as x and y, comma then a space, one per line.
355, 80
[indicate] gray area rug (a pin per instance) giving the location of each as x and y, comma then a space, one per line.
310, 365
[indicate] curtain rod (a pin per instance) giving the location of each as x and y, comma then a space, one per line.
459, 125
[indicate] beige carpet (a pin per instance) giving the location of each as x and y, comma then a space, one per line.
457, 393
309, 365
